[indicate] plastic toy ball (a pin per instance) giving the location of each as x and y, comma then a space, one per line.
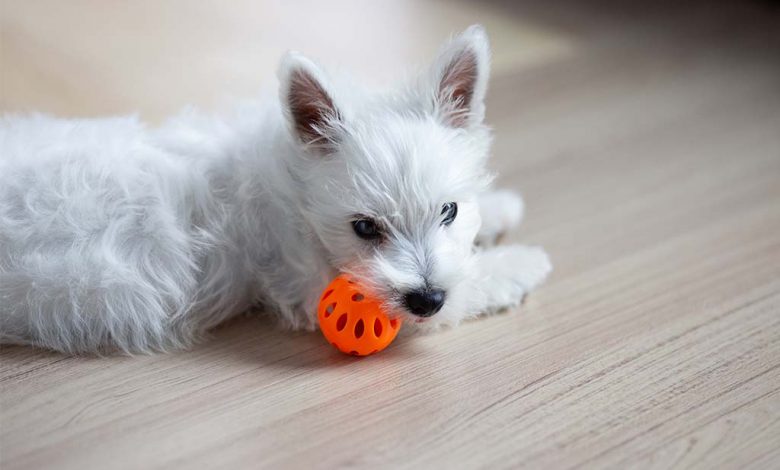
353, 321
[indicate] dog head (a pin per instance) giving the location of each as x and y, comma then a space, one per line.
388, 181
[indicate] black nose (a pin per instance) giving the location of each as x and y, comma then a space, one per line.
424, 303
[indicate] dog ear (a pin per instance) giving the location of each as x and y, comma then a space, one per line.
308, 105
460, 78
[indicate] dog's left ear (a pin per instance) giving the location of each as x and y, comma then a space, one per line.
308, 104
460, 78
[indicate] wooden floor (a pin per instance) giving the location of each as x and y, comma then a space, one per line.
646, 140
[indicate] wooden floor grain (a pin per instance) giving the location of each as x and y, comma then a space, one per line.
646, 140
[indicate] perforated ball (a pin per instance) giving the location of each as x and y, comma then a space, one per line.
353, 321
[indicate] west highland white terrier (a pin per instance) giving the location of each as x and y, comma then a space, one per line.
118, 237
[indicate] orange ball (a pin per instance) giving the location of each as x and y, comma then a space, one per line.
353, 321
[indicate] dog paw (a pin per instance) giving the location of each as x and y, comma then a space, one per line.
511, 272
500, 211
532, 265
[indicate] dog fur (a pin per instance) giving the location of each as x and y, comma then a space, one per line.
115, 236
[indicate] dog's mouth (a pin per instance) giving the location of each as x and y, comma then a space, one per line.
394, 303
392, 300
407, 316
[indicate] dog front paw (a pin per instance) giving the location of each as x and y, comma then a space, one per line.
500, 211
532, 265
510, 272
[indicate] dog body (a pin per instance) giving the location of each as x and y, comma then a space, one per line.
116, 236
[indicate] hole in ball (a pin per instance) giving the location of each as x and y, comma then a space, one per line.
359, 328
377, 327
341, 322
329, 309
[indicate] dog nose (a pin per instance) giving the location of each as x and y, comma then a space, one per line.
424, 303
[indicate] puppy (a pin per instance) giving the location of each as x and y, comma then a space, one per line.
118, 237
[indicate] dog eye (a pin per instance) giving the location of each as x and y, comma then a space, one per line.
449, 211
366, 229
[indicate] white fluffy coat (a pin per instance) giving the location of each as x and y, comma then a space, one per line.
116, 236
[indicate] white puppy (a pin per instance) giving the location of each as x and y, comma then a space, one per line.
113, 236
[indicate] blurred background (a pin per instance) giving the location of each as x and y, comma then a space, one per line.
87, 57
95, 57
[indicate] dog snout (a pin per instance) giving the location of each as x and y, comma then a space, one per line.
424, 302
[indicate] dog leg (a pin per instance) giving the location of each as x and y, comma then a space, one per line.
501, 211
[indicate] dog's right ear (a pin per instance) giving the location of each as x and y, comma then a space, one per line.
310, 109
